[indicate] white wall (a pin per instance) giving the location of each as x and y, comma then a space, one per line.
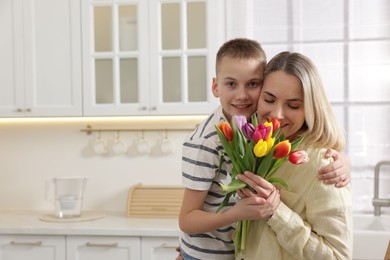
31, 153
348, 40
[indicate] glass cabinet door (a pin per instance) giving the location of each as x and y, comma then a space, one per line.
115, 57
173, 39
183, 56
148, 57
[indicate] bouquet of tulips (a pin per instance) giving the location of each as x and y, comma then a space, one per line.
259, 148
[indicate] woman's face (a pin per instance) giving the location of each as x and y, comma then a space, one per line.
282, 98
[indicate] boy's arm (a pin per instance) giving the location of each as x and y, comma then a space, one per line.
336, 172
193, 219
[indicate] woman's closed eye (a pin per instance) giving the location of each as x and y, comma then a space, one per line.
294, 106
267, 100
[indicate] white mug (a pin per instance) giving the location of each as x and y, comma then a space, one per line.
118, 146
100, 146
143, 146
165, 146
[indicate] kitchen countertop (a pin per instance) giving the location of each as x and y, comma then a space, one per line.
112, 224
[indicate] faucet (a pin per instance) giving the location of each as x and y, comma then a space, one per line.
376, 201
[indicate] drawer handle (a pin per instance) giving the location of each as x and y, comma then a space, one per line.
39, 243
168, 245
101, 245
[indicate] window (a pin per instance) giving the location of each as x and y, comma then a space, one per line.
349, 41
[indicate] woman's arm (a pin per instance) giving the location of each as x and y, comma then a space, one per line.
325, 232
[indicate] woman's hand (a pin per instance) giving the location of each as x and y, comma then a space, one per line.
336, 172
262, 187
256, 208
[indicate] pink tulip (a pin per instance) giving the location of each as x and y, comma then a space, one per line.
261, 133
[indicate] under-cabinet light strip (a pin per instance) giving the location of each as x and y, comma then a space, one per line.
88, 129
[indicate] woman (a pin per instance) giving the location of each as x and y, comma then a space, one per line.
313, 220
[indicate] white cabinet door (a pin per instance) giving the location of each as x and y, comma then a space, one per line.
184, 40
103, 248
40, 73
17, 247
159, 248
11, 58
150, 57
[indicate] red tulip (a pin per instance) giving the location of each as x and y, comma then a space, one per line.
282, 149
275, 123
226, 130
298, 157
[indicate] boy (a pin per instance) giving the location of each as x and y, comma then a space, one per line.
207, 234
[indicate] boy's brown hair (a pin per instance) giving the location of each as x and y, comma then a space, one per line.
241, 48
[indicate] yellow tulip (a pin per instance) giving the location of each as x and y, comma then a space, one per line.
260, 148
270, 144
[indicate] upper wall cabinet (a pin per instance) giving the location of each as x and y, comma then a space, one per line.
40, 58
150, 57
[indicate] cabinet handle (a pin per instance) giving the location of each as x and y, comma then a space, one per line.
20, 110
168, 245
153, 108
142, 108
39, 243
101, 245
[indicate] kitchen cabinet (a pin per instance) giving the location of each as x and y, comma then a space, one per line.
24, 236
150, 57
111, 247
102, 248
16, 247
40, 58
154, 248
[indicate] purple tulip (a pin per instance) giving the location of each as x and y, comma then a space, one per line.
248, 129
238, 121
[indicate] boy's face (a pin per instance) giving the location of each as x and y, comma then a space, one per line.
238, 85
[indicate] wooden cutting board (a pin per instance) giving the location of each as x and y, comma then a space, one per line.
148, 201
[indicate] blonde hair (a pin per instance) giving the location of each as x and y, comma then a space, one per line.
241, 48
321, 128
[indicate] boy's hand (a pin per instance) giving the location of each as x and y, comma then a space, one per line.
336, 172
179, 257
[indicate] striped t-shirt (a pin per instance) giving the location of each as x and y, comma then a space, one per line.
200, 161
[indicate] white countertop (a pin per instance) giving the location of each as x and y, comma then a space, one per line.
112, 224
